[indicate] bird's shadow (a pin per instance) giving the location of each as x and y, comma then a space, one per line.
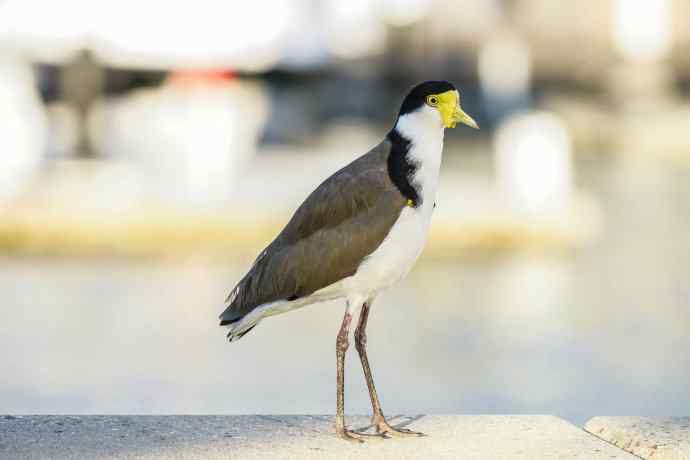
403, 421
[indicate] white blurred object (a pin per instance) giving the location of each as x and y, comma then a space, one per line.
504, 66
353, 30
642, 28
189, 140
46, 31
400, 13
305, 45
202, 33
150, 34
533, 163
22, 128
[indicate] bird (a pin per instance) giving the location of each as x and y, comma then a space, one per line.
357, 234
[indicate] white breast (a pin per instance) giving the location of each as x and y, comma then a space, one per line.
399, 251
394, 258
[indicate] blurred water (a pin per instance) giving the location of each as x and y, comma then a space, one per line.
602, 331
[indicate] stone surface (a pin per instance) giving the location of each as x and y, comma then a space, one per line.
655, 438
299, 437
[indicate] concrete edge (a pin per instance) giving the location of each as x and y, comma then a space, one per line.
654, 438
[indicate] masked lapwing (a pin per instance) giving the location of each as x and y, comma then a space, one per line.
357, 234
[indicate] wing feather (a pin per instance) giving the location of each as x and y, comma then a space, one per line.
341, 222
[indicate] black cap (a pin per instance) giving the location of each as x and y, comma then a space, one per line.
417, 95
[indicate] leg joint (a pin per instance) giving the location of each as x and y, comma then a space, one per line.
342, 343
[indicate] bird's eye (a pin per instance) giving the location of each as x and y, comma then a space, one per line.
432, 100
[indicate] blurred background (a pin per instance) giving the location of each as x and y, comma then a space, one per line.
149, 150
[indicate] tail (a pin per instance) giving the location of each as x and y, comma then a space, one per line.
238, 326
236, 334
255, 297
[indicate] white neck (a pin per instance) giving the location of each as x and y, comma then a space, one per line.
422, 125
424, 129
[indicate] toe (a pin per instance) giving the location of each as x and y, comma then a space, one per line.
347, 436
385, 428
356, 436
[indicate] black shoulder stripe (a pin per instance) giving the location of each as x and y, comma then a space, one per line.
400, 168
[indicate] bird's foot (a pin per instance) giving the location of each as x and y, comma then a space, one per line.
384, 429
357, 437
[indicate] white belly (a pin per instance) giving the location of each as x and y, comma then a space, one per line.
396, 255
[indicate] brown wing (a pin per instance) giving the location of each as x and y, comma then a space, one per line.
341, 222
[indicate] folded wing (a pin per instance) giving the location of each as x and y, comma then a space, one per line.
344, 220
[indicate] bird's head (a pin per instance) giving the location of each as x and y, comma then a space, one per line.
435, 102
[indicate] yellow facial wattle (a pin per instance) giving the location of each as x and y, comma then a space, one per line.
448, 104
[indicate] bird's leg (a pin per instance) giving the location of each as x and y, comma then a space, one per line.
341, 345
378, 419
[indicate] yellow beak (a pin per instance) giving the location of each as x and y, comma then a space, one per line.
461, 117
452, 113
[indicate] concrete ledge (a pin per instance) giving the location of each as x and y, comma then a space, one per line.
655, 438
299, 437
